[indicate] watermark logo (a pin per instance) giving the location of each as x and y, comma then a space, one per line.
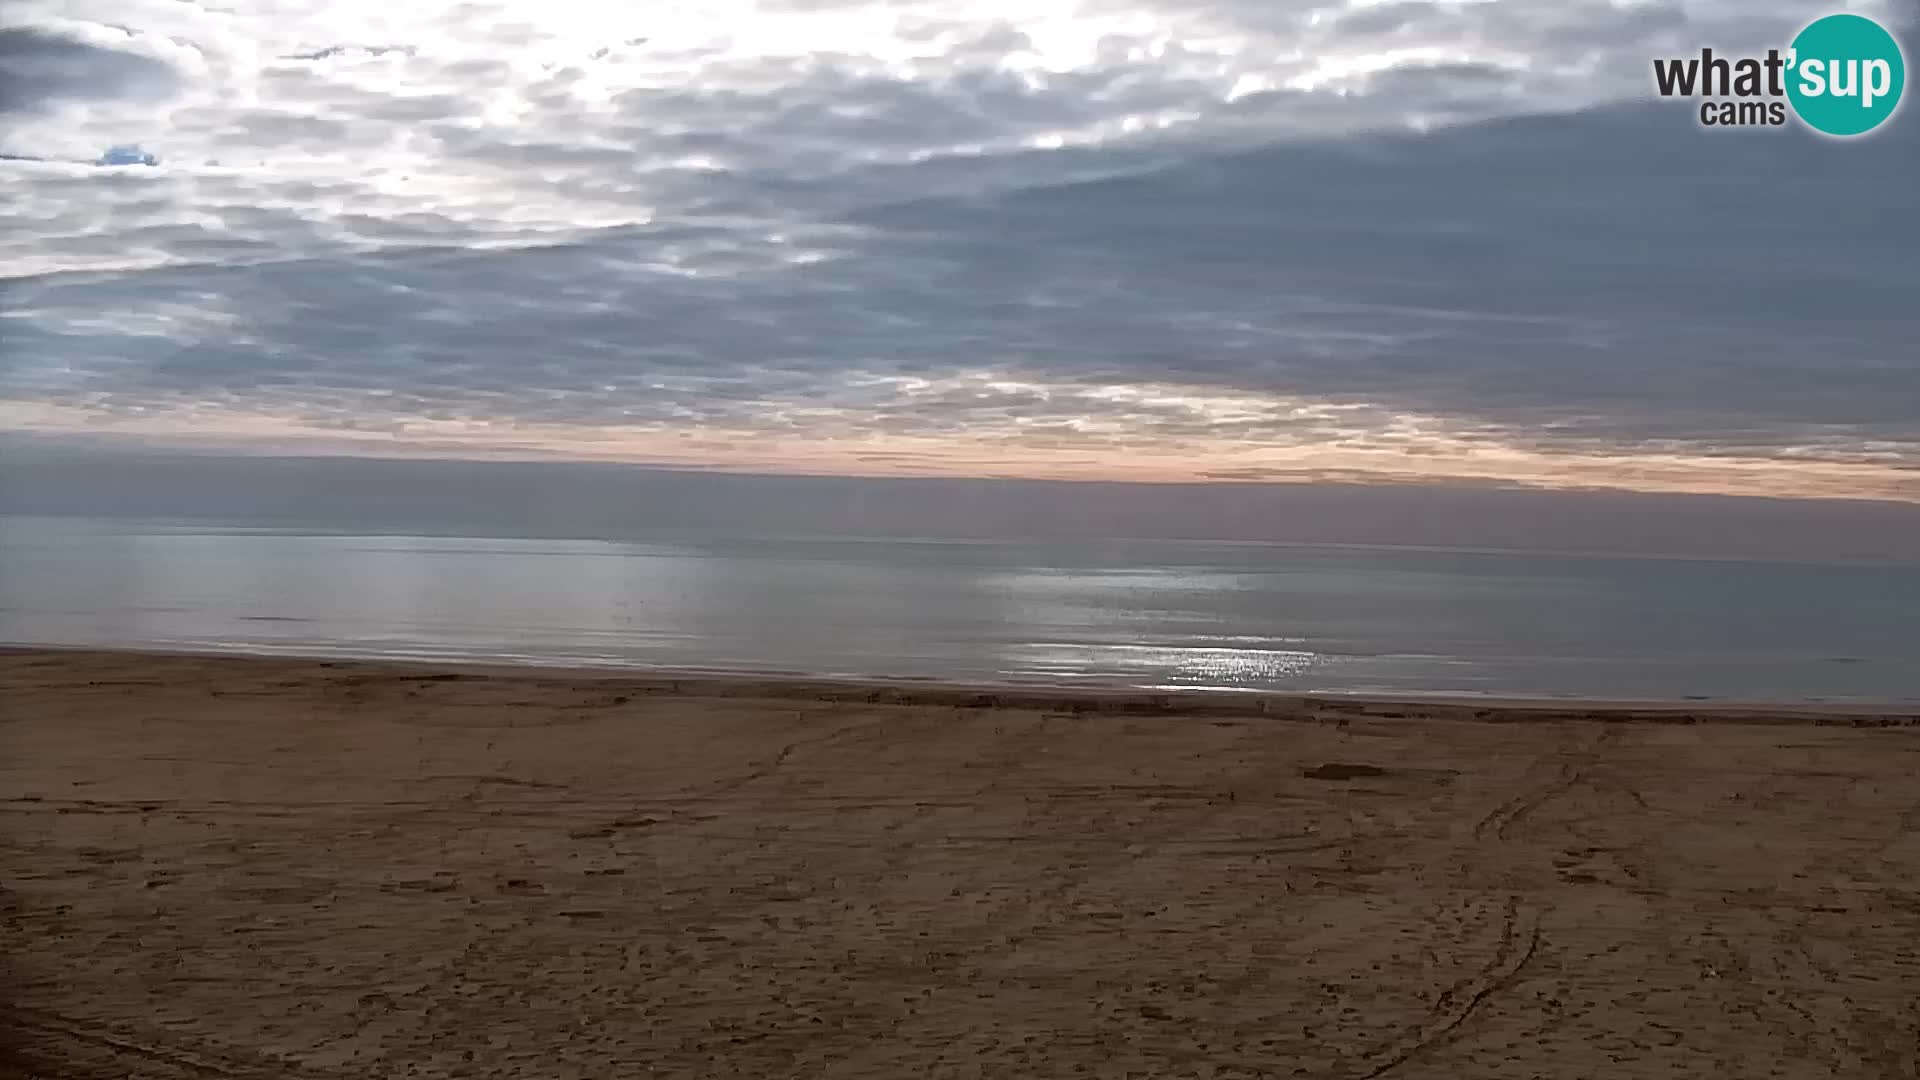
1842, 75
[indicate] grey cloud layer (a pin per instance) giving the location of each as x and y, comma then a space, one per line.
42, 68
959, 243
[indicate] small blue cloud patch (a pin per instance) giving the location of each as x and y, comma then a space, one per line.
127, 155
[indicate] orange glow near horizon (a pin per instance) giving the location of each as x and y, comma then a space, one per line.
1415, 453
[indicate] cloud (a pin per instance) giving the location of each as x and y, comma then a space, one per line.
1229, 239
1609, 273
43, 68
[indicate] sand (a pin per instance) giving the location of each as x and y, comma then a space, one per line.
225, 867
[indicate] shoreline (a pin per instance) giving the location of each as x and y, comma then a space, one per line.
1097, 698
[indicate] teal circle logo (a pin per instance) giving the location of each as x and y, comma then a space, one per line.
1845, 75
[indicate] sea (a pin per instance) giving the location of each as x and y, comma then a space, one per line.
1162, 614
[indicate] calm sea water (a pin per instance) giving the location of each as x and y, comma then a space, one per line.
1145, 613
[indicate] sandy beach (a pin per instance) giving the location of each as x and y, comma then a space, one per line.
232, 867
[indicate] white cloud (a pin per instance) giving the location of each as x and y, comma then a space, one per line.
760, 216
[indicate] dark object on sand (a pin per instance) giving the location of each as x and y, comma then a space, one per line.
1336, 771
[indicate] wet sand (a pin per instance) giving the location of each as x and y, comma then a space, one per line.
228, 867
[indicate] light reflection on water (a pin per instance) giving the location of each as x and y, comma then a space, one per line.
1190, 665
1238, 616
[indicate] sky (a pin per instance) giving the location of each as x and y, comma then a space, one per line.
1195, 241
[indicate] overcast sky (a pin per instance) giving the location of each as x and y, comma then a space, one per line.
1131, 239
